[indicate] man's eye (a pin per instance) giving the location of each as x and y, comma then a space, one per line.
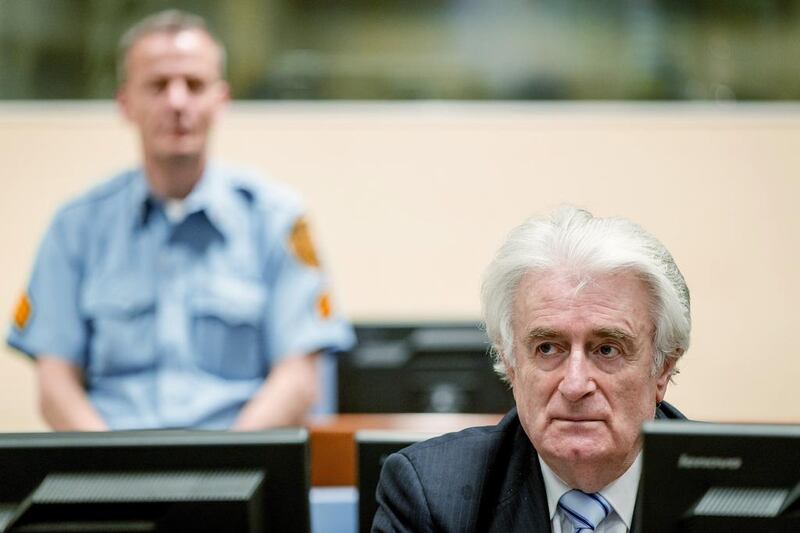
157, 86
195, 85
608, 351
546, 348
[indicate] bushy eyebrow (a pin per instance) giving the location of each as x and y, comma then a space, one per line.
542, 333
616, 334
607, 333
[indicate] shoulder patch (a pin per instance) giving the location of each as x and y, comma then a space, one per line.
324, 308
301, 244
22, 313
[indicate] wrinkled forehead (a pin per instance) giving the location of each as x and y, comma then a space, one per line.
567, 282
564, 286
574, 280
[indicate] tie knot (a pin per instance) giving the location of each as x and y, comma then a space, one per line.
584, 510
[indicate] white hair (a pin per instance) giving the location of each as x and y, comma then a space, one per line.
572, 239
170, 21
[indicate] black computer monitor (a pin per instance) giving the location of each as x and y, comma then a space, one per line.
420, 368
175, 481
719, 478
372, 449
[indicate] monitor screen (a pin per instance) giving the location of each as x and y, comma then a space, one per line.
372, 449
174, 480
715, 478
427, 367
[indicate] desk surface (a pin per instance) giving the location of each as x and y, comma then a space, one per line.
333, 450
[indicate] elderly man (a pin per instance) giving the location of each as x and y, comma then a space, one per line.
181, 293
587, 318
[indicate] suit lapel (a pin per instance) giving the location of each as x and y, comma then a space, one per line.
521, 502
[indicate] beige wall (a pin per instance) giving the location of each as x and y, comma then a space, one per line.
409, 201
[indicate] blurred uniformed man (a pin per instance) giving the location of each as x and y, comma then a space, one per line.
182, 293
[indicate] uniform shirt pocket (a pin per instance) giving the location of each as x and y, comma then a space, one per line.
227, 332
122, 324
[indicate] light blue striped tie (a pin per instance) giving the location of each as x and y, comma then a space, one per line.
585, 511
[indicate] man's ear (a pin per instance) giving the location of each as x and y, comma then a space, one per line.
666, 373
225, 90
122, 102
223, 95
510, 375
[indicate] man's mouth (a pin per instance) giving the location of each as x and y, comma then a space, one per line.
177, 129
576, 420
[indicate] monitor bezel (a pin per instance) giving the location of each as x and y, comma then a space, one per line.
753, 455
282, 454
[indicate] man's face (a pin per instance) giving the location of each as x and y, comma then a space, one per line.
583, 383
172, 92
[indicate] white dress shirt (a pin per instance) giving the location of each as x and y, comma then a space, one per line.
621, 493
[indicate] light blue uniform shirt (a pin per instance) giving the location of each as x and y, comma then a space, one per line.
176, 323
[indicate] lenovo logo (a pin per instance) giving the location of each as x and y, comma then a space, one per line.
709, 463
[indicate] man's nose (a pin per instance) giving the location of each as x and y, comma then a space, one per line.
577, 381
177, 94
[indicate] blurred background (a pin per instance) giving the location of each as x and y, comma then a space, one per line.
420, 132
744, 50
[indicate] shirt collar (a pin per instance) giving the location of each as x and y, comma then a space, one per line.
621, 492
140, 200
210, 196
553, 486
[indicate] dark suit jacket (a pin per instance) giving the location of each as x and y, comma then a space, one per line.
484, 479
